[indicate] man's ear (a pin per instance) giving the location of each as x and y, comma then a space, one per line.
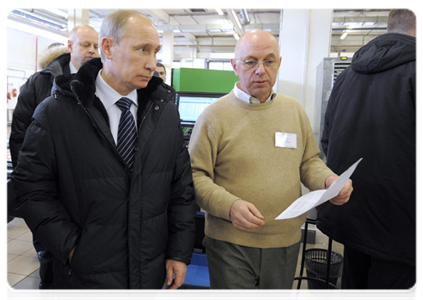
234, 66
70, 45
106, 47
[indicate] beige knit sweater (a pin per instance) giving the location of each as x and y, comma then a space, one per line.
233, 156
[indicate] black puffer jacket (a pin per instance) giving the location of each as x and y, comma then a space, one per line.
372, 114
73, 188
36, 89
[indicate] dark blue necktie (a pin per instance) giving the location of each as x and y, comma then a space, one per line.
127, 132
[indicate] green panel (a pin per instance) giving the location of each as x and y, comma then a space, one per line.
203, 80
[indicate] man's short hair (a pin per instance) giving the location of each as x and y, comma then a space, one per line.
161, 65
401, 21
114, 25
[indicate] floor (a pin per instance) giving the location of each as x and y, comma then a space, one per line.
23, 264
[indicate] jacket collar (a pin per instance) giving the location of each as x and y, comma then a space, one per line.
57, 65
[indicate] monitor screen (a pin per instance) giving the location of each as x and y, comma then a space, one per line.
190, 106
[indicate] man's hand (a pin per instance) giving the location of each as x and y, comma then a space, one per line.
344, 194
179, 269
71, 254
244, 215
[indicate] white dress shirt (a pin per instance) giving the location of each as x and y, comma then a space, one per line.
72, 68
248, 98
108, 97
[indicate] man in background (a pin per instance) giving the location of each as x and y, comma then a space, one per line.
245, 175
371, 114
160, 68
104, 177
82, 46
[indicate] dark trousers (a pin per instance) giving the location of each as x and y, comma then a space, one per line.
233, 266
362, 271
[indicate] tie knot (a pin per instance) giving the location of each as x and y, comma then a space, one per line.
124, 103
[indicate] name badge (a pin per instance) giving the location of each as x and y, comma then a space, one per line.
286, 140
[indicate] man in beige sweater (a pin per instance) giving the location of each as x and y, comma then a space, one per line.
244, 176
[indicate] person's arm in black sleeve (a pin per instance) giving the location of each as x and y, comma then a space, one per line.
182, 209
35, 186
22, 116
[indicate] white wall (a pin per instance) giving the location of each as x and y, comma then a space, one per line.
22, 59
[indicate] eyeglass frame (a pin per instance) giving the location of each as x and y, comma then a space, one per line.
258, 63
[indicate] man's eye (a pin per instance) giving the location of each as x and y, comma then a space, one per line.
250, 63
270, 63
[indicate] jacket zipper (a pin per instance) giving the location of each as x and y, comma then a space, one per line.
145, 116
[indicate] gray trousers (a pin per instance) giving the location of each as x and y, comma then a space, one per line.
233, 266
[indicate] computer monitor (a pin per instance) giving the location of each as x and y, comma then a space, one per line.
192, 104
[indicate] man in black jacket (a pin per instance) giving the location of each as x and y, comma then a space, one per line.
110, 222
372, 114
82, 45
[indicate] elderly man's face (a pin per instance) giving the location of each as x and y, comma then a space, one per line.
133, 61
258, 81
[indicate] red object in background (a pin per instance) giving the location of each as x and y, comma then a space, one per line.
14, 92
8, 97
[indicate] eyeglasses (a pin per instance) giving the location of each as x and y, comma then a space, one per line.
252, 64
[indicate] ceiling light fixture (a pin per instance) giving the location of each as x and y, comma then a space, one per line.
219, 11
235, 16
344, 35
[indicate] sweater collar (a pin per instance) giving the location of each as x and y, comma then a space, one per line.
248, 98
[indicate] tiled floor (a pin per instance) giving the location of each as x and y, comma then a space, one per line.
23, 264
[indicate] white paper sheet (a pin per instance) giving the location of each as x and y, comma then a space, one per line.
313, 199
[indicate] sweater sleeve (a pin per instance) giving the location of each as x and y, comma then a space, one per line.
203, 149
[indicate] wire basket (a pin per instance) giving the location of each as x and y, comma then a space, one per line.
316, 262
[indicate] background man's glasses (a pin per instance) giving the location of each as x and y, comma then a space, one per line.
252, 64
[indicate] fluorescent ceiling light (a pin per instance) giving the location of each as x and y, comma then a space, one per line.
36, 31
344, 35
219, 11
235, 16
236, 36
57, 12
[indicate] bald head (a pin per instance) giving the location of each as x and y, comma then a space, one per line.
255, 39
82, 44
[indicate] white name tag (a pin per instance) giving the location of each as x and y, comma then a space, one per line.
286, 140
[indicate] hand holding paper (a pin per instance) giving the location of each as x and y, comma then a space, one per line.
313, 199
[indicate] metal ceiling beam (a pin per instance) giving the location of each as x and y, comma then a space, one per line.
362, 20
166, 18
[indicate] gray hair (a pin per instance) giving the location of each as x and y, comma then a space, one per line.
114, 26
401, 21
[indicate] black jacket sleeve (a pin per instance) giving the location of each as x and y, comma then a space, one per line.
22, 116
36, 89
182, 209
34, 183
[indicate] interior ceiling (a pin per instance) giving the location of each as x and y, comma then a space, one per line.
201, 31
